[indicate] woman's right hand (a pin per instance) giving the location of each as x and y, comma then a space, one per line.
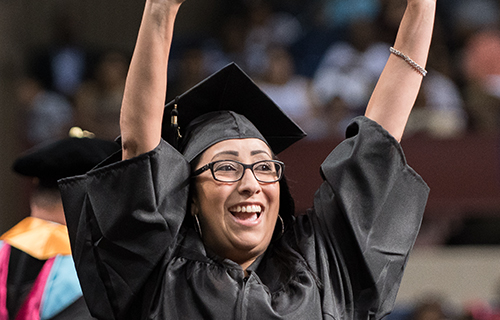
166, 2
145, 88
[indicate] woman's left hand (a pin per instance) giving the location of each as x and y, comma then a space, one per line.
420, 1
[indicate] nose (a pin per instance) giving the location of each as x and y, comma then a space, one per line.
248, 183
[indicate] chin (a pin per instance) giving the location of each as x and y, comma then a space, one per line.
253, 242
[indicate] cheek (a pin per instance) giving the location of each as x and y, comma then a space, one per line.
273, 195
211, 198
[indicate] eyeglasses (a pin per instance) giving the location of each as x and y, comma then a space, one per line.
266, 171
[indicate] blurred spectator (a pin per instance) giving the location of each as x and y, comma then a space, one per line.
191, 68
39, 279
229, 45
333, 118
480, 310
349, 74
63, 65
350, 69
439, 109
484, 310
340, 14
471, 16
98, 100
481, 70
244, 37
47, 115
290, 91
266, 28
430, 309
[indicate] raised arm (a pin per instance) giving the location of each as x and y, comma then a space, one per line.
399, 83
145, 88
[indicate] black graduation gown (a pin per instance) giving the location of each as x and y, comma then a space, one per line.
137, 260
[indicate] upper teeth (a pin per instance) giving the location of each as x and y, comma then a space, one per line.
249, 208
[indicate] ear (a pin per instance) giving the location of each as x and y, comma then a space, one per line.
193, 199
194, 206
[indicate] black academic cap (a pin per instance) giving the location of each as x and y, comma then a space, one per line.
52, 161
251, 114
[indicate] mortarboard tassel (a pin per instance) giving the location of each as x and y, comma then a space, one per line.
174, 133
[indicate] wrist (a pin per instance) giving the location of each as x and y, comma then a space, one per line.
421, 5
162, 10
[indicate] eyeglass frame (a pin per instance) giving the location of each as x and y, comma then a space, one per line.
210, 166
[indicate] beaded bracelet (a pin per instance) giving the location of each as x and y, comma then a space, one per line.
412, 63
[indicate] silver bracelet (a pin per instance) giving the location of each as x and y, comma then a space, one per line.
412, 63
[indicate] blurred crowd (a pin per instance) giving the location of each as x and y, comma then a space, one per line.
436, 307
319, 60
66, 85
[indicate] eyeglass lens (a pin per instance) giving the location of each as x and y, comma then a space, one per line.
264, 171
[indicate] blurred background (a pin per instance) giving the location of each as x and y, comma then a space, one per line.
63, 63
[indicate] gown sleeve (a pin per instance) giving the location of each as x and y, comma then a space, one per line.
123, 218
365, 220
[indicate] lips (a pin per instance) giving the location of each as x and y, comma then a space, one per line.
247, 213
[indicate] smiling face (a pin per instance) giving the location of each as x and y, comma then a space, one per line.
237, 219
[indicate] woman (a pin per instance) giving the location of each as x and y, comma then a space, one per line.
38, 277
193, 234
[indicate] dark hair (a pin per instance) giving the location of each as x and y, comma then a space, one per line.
287, 209
283, 254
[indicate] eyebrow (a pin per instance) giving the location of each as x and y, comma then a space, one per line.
227, 152
256, 152
236, 153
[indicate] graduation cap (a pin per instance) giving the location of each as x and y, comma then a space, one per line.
52, 161
226, 105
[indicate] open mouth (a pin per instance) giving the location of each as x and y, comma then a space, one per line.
247, 213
